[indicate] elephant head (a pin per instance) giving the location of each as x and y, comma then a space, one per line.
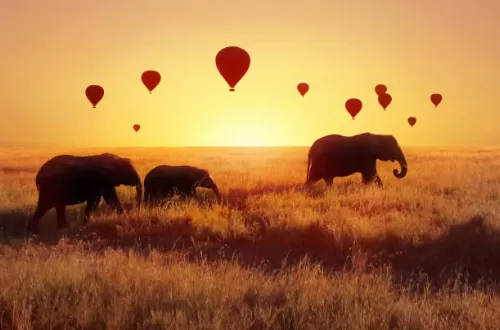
119, 170
207, 182
386, 148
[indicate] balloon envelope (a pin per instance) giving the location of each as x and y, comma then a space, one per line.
150, 79
412, 121
353, 106
436, 99
384, 100
137, 127
303, 88
94, 94
233, 63
380, 89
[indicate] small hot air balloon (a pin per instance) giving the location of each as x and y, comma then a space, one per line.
412, 121
94, 94
233, 63
436, 99
303, 88
137, 127
353, 106
150, 79
380, 89
384, 100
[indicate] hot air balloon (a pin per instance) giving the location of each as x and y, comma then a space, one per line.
94, 94
412, 121
384, 100
150, 79
232, 62
303, 88
380, 89
353, 106
137, 127
436, 99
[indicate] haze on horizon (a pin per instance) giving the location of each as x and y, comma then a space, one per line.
53, 49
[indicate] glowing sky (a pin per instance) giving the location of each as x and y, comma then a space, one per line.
51, 50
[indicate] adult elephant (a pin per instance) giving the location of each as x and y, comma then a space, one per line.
338, 156
165, 181
68, 180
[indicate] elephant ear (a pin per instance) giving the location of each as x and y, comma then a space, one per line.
375, 146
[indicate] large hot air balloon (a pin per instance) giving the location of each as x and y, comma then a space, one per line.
232, 62
412, 121
303, 88
353, 106
380, 89
137, 127
150, 79
94, 94
436, 99
384, 100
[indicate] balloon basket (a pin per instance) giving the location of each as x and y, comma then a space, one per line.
231, 89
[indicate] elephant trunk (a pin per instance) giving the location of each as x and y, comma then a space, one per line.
138, 189
217, 192
400, 157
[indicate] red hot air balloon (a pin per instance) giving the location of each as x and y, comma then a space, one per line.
303, 88
137, 127
380, 89
94, 94
412, 121
353, 106
233, 63
150, 79
384, 100
436, 99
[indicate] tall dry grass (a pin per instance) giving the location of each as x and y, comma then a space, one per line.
421, 253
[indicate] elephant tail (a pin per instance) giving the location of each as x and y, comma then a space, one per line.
308, 166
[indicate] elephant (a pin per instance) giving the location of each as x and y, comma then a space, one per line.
338, 156
165, 180
69, 180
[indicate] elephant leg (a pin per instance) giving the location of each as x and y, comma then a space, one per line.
314, 174
111, 198
91, 207
371, 178
41, 209
328, 181
61, 216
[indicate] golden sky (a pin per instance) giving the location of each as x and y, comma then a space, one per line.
51, 50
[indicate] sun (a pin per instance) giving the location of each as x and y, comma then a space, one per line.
243, 131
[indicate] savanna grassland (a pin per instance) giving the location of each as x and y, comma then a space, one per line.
421, 253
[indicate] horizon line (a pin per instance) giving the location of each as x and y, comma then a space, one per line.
43, 146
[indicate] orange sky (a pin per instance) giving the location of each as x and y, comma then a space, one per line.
53, 49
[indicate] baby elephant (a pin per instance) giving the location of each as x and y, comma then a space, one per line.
165, 180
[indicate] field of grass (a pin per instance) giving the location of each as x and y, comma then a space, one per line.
423, 252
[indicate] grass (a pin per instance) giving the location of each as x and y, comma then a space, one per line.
421, 253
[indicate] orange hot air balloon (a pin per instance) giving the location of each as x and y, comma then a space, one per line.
412, 121
137, 127
353, 106
380, 89
384, 100
233, 63
150, 79
436, 99
303, 88
94, 94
